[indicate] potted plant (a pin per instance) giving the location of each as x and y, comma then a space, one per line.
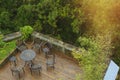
26, 32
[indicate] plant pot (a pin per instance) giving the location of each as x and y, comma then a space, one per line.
29, 42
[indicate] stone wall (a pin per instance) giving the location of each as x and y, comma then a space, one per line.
60, 45
12, 36
64, 47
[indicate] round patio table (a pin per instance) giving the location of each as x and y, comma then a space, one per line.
27, 55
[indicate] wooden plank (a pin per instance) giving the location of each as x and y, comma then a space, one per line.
65, 69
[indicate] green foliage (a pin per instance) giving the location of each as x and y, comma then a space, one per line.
64, 19
6, 49
55, 17
92, 57
60, 79
85, 42
78, 55
58, 18
5, 20
88, 43
1, 41
78, 77
26, 32
25, 15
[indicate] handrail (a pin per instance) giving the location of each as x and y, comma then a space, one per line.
55, 41
45, 38
11, 36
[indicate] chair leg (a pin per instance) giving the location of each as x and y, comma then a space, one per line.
39, 51
23, 70
31, 71
53, 67
45, 55
15, 63
39, 72
19, 75
12, 73
41, 68
47, 67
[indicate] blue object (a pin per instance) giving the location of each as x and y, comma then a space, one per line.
13, 58
112, 71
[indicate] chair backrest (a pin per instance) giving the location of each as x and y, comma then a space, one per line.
51, 58
13, 60
50, 54
30, 65
19, 42
42, 44
36, 46
15, 70
48, 45
37, 40
35, 66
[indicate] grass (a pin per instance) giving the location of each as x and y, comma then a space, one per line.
5, 51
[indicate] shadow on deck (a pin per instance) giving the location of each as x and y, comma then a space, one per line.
65, 69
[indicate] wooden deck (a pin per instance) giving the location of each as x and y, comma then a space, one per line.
65, 69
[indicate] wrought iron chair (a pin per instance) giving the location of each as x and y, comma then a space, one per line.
49, 45
17, 71
47, 48
38, 45
13, 61
46, 51
50, 61
35, 68
21, 46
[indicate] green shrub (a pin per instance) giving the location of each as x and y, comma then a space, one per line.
8, 47
92, 57
78, 77
88, 43
1, 41
26, 32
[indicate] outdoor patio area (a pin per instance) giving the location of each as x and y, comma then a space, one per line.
65, 68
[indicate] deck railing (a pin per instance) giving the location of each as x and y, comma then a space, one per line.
58, 43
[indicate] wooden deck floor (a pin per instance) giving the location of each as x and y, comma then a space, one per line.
65, 69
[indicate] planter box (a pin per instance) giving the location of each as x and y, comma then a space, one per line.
6, 59
12, 36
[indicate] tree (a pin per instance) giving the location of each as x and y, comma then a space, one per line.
5, 21
25, 15
60, 18
93, 56
57, 18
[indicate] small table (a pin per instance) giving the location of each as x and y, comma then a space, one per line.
27, 55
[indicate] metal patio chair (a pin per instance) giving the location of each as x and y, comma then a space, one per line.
21, 46
50, 62
17, 71
35, 68
13, 61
